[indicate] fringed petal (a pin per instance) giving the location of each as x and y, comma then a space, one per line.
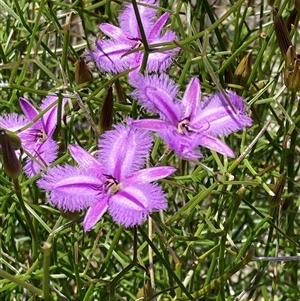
132, 205
124, 150
128, 22
215, 144
45, 153
156, 94
111, 56
148, 175
71, 188
13, 121
222, 119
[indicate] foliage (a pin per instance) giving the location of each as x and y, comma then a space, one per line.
222, 213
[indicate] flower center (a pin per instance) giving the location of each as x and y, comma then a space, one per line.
41, 136
138, 43
184, 127
111, 185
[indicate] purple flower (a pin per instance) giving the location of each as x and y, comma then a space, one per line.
37, 139
111, 54
185, 124
113, 182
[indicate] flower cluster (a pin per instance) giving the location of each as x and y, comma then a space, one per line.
116, 180
37, 138
113, 55
187, 123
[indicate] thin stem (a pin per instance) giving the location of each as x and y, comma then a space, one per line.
143, 36
21, 283
46, 272
35, 241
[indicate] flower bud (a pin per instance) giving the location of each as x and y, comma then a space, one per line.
228, 75
292, 70
83, 72
258, 86
107, 112
278, 189
145, 292
292, 18
119, 91
243, 71
282, 33
11, 164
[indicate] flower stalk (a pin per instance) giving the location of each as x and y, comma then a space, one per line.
11, 163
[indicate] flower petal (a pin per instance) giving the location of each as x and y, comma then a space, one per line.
156, 94
191, 98
221, 118
185, 146
157, 27
94, 213
123, 150
148, 175
114, 32
45, 153
128, 22
215, 144
111, 56
132, 205
49, 119
13, 121
160, 61
84, 158
71, 188
151, 124
28, 109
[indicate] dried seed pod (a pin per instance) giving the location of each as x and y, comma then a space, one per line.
145, 292
271, 2
282, 33
278, 189
83, 72
292, 18
119, 91
107, 112
257, 86
292, 70
243, 71
11, 163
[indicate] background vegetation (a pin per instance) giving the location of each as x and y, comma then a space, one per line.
223, 215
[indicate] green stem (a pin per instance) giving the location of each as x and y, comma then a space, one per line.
21, 283
126, 269
35, 241
46, 271
143, 36
215, 283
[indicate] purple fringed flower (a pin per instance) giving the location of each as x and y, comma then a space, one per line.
111, 54
114, 181
185, 124
37, 139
